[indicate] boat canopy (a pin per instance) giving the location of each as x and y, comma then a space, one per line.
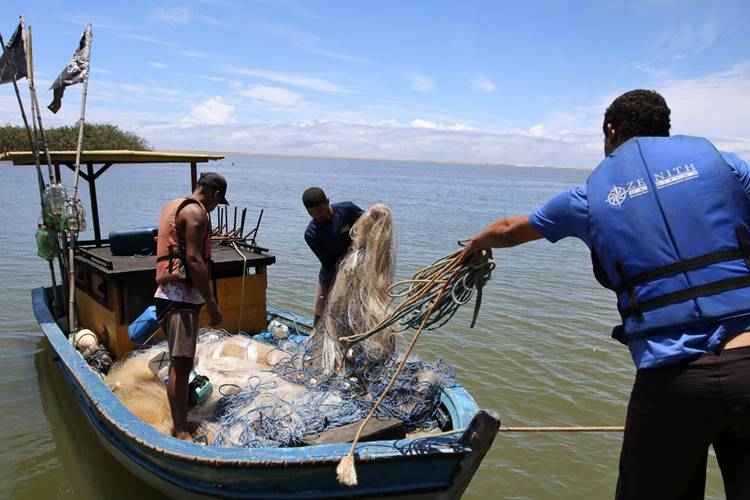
116, 156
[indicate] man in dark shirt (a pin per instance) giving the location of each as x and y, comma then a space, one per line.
327, 235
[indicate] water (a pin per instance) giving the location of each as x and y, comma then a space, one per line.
540, 355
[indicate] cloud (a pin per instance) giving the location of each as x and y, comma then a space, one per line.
213, 111
716, 105
173, 15
686, 39
157, 65
294, 79
275, 96
147, 39
421, 83
198, 54
307, 42
483, 84
377, 140
421, 123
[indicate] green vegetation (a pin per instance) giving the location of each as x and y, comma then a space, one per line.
95, 136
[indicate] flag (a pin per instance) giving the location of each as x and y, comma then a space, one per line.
13, 60
76, 71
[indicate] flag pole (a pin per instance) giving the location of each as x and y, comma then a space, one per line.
34, 149
72, 234
35, 105
57, 300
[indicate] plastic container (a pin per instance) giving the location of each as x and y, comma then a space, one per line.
46, 243
74, 216
144, 326
136, 242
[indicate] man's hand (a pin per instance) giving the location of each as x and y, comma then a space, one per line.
214, 314
472, 246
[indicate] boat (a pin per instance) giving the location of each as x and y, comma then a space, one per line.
111, 291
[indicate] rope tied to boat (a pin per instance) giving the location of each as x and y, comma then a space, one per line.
439, 290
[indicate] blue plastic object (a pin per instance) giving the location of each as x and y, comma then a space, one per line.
140, 330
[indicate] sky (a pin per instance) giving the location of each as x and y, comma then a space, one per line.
520, 83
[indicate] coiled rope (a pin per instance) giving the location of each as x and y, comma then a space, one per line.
440, 288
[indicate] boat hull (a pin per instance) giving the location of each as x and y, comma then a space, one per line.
393, 469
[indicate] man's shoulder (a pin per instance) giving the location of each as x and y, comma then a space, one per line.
311, 231
346, 207
192, 210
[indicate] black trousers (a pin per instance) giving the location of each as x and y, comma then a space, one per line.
675, 413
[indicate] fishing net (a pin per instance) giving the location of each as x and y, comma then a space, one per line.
268, 393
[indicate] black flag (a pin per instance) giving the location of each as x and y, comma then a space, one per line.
76, 71
13, 61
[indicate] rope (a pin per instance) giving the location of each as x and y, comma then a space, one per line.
433, 288
443, 286
244, 275
572, 428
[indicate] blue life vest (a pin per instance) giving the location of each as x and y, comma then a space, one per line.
669, 227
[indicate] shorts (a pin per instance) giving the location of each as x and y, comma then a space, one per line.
179, 320
675, 413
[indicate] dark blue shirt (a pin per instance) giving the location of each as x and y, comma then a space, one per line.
567, 214
330, 241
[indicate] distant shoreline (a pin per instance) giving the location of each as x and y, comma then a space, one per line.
353, 158
434, 162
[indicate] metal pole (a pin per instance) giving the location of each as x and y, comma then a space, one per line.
94, 204
72, 234
35, 105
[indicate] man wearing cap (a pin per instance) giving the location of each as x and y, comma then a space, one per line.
327, 235
183, 252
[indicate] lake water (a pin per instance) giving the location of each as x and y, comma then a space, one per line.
541, 353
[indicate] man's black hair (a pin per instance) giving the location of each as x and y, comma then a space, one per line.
314, 197
638, 113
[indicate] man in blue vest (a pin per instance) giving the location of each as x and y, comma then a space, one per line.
666, 220
327, 235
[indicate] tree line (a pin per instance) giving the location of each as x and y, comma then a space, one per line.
95, 136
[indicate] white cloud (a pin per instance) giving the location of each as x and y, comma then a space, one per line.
173, 15
716, 105
483, 84
686, 39
421, 83
537, 130
276, 96
427, 124
213, 111
294, 79
157, 65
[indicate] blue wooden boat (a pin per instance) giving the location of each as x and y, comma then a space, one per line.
431, 467
111, 291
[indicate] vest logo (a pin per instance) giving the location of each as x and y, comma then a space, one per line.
618, 194
675, 175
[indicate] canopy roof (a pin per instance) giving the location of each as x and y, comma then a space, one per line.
118, 156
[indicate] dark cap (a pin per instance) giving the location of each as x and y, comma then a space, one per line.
217, 182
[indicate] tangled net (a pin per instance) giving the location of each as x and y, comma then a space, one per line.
258, 415
359, 298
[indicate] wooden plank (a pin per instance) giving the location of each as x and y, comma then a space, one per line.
388, 428
113, 156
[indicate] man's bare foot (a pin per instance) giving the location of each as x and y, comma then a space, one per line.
184, 436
